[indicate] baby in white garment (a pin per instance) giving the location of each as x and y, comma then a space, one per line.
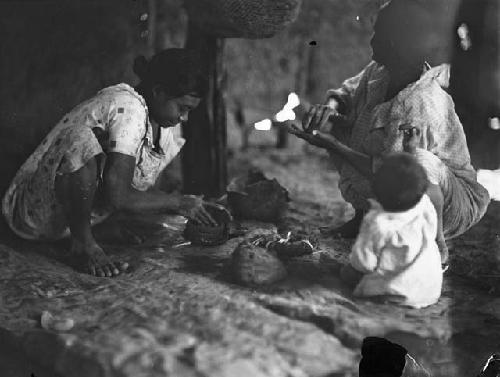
396, 255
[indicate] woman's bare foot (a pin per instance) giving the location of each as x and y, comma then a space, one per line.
112, 231
96, 261
348, 230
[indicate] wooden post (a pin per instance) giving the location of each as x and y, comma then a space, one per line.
282, 138
204, 162
152, 11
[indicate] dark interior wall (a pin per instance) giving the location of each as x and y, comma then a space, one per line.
263, 72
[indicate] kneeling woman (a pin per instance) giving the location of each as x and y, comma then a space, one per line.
105, 156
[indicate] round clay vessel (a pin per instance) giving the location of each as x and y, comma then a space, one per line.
255, 265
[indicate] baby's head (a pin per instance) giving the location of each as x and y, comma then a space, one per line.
400, 182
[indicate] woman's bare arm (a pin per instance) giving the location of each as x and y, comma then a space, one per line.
118, 175
360, 161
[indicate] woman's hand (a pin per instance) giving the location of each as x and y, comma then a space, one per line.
315, 137
193, 207
318, 115
359, 161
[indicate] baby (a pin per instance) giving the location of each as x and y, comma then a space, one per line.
396, 255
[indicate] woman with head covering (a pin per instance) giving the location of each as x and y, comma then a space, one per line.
105, 155
400, 102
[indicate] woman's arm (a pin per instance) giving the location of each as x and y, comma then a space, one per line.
360, 161
118, 190
411, 141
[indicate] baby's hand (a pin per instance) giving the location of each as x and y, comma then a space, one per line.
411, 139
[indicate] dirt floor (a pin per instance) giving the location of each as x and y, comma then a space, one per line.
176, 314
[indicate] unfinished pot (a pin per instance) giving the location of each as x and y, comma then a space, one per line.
207, 235
254, 265
295, 246
257, 198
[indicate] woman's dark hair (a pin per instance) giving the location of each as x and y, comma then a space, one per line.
176, 70
380, 356
400, 182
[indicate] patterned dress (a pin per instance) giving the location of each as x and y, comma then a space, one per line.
114, 120
373, 128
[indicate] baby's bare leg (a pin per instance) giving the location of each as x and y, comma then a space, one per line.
76, 192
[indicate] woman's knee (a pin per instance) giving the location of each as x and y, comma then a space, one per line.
435, 169
82, 181
435, 193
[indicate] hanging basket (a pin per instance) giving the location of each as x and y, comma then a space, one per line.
242, 18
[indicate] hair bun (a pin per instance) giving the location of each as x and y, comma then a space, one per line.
141, 67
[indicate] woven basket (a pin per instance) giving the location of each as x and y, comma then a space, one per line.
206, 235
242, 18
265, 200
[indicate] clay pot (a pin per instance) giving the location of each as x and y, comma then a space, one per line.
255, 265
257, 198
295, 245
207, 235
293, 248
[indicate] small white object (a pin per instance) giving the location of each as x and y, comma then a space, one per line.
263, 125
293, 100
463, 34
287, 112
494, 123
181, 245
490, 179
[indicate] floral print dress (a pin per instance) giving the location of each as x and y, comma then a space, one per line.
114, 120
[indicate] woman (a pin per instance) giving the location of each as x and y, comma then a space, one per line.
400, 102
105, 156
